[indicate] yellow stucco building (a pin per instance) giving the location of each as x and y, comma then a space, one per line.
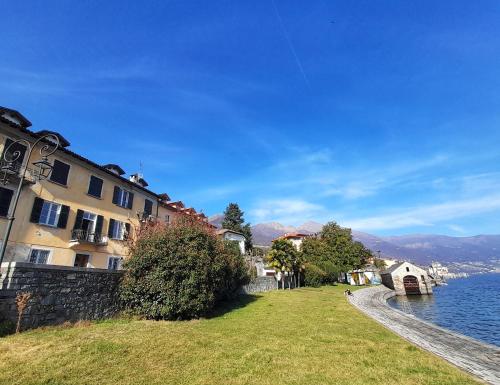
83, 213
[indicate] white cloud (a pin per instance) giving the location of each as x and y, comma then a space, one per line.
363, 183
426, 215
457, 229
288, 211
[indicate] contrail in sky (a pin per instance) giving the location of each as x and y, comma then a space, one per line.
290, 44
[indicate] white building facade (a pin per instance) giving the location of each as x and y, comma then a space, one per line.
234, 236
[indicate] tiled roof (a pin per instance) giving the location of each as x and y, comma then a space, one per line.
112, 166
224, 231
24, 122
63, 142
81, 158
392, 268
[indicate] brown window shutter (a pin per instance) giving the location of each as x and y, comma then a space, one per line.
37, 210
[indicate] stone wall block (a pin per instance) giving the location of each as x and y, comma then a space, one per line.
260, 284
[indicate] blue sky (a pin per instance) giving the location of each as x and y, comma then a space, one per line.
381, 115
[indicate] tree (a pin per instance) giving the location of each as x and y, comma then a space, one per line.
281, 257
320, 267
298, 266
332, 252
341, 245
233, 220
247, 232
365, 255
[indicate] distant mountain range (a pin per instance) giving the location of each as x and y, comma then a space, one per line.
479, 253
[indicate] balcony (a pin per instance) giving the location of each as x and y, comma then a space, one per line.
12, 171
84, 236
146, 217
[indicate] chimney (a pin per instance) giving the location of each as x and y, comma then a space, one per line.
137, 178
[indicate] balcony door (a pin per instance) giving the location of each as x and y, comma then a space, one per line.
88, 225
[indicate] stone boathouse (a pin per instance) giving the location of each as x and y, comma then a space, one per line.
407, 279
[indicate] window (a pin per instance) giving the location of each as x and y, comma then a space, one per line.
88, 227
50, 213
95, 186
5, 199
89, 221
39, 256
114, 263
60, 173
123, 198
148, 208
81, 260
118, 230
167, 219
21, 148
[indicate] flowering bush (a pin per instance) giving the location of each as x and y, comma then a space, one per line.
180, 271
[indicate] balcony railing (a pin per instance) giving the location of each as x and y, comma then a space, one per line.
14, 169
146, 217
88, 237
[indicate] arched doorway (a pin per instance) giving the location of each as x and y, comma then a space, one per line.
411, 285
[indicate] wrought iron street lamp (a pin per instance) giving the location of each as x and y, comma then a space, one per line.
43, 169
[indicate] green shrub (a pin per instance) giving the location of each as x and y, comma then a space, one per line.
314, 276
330, 270
180, 271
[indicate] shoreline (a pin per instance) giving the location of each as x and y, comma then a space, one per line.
480, 359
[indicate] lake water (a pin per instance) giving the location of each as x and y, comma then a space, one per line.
470, 306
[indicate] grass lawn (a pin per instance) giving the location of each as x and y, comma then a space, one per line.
306, 336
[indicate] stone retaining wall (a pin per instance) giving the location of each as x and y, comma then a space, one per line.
63, 293
59, 293
259, 285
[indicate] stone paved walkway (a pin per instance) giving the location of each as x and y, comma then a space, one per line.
479, 359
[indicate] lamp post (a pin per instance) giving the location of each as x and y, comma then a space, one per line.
41, 171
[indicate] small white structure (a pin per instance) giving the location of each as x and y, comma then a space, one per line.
438, 270
368, 275
231, 235
407, 279
295, 238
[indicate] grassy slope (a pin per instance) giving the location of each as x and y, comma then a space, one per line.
307, 336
